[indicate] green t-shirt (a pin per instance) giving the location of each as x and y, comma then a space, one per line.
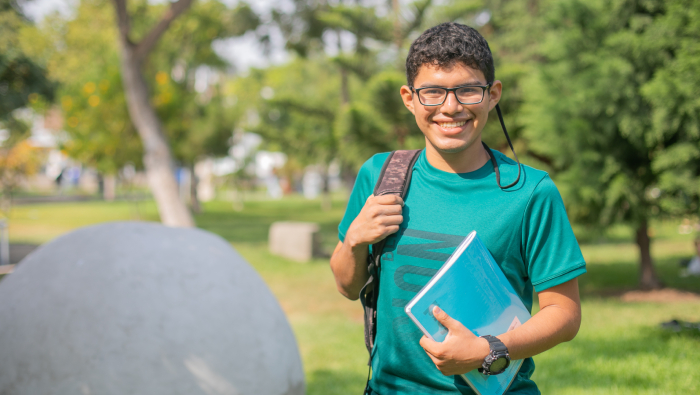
524, 227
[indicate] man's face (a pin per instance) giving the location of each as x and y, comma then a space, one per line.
451, 127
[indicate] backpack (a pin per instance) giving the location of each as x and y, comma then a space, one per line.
394, 179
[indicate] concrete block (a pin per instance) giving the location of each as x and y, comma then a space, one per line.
298, 241
140, 308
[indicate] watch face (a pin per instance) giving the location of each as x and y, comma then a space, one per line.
498, 365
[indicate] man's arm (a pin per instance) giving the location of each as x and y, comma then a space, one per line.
557, 321
379, 218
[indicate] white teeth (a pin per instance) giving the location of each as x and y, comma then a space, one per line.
452, 124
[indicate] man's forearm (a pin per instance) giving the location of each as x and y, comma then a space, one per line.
349, 266
557, 322
543, 331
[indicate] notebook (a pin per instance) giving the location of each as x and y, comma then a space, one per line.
471, 288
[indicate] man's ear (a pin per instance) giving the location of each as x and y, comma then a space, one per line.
495, 94
407, 96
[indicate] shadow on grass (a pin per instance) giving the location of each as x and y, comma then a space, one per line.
330, 382
612, 279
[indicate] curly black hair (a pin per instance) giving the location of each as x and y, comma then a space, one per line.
446, 44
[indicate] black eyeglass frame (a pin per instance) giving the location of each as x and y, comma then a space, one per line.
484, 88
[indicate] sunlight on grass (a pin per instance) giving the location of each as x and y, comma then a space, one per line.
39, 223
620, 349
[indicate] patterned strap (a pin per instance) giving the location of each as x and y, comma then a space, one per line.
396, 173
394, 178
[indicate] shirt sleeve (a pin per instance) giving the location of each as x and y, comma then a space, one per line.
363, 188
550, 249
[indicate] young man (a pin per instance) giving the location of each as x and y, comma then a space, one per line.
452, 192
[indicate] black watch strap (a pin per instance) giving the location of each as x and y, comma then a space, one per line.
498, 351
495, 344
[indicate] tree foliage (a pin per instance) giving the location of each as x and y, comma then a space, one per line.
604, 105
81, 56
23, 79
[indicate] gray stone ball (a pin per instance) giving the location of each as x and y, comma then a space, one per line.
140, 308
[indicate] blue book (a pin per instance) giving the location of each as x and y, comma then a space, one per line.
471, 288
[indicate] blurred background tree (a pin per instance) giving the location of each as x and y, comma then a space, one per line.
81, 56
220, 22
23, 83
609, 104
188, 89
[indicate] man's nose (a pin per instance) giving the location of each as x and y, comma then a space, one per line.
451, 104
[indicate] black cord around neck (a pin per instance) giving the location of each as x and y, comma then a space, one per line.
493, 158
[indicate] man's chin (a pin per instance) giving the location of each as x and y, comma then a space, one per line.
452, 147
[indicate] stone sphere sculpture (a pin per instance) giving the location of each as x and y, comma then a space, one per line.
139, 308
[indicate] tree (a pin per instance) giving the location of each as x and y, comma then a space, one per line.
608, 106
20, 74
158, 158
17, 161
82, 57
197, 116
295, 108
23, 83
368, 114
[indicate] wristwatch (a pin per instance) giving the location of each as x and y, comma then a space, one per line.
498, 359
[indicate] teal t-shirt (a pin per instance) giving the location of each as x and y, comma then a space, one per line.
524, 227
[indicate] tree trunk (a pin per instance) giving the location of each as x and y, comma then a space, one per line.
348, 176
648, 278
194, 197
326, 193
344, 89
157, 158
396, 8
109, 187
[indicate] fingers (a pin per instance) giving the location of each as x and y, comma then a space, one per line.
449, 322
441, 356
387, 200
379, 218
436, 352
429, 345
379, 209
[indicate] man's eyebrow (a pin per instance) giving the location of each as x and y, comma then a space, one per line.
429, 85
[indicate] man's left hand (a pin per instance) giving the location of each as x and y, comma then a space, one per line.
461, 351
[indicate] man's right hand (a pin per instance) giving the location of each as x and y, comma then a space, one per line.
379, 218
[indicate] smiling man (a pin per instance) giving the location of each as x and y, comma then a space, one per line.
455, 189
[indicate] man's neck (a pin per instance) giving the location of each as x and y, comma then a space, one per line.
470, 159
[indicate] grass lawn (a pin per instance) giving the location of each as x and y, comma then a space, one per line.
620, 348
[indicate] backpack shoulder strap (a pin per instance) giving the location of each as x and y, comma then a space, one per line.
394, 179
396, 173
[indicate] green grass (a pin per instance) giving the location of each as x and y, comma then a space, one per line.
620, 348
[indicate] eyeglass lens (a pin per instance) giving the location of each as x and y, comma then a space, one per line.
465, 95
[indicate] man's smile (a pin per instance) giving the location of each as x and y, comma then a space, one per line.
452, 127
448, 125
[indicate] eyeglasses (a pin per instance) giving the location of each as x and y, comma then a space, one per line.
435, 96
